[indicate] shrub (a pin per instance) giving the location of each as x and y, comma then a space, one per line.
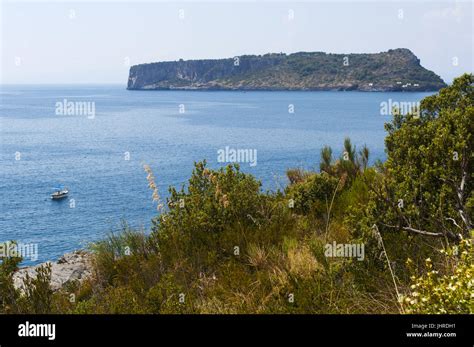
315, 193
8, 294
445, 293
38, 295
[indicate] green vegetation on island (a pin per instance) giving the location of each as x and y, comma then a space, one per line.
395, 70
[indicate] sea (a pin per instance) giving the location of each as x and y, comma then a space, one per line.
96, 139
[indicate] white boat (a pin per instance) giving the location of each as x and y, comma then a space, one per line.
60, 194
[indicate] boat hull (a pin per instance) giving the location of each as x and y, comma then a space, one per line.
59, 195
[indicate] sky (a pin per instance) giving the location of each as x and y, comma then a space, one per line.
61, 41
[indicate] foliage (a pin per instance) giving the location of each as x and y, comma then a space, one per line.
9, 295
428, 184
38, 295
313, 194
451, 292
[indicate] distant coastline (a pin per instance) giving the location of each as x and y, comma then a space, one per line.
394, 70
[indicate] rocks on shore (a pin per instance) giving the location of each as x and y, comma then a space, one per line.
75, 266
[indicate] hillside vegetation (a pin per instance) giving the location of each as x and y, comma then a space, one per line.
221, 245
395, 70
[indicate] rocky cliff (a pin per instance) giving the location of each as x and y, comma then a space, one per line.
70, 267
395, 70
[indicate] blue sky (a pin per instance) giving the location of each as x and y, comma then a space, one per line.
93, 41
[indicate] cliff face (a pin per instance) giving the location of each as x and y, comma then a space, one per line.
76, 266
395, 70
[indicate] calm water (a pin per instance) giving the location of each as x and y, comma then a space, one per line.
89, 155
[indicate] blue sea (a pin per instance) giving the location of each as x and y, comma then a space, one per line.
100, 158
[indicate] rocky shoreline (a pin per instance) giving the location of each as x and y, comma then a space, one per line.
75, 266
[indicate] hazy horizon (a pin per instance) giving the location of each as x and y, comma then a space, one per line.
96, 42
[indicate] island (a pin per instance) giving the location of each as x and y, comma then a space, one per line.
395, 70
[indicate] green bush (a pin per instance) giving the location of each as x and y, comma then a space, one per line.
8, 294
315, 193
38, 295
451, 292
